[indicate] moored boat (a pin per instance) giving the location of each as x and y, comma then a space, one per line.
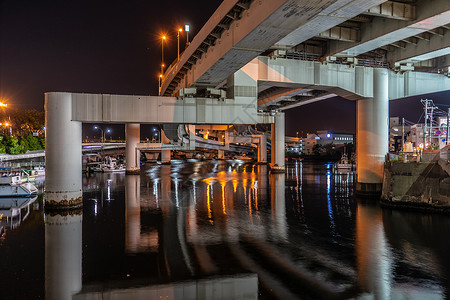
11, 185
344, 163
111, 166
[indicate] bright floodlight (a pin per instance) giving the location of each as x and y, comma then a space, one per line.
186, 28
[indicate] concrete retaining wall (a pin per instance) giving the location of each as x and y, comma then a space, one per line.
417, 184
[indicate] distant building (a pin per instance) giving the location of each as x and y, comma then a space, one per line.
323, 137
310, 142
294, 145
396, 132
336, 138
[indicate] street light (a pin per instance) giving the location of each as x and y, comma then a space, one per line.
103, 134
159, 84
178, 40
186, 28
162, 53
109, 131
156, 133
2, 104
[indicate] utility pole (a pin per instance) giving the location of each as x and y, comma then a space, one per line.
446, 135
431, 125
425, 125
403, 134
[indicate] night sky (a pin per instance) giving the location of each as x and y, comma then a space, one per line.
114, 47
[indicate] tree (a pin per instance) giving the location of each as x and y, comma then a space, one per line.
28, 121
12, 145
317, 149
32, 143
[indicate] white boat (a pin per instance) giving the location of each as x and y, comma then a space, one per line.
111, 166
33, 174
344, 163
12, 186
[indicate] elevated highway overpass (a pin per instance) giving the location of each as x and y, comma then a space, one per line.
364, 50
291, 53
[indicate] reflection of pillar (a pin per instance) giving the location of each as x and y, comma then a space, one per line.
63, 248
262, 183
132, 213
277, 146
278, 184
372, 135
62, 153
132, 138
262, 149
165, 191
372, 250
165, 154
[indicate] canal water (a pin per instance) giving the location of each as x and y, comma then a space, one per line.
223, 230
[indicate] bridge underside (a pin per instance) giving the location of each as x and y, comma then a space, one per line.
287, 83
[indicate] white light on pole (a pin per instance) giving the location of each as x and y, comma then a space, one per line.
186, 28
102, 136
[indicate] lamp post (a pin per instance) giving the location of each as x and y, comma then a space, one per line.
103, 134
159, 84
108, 131
186, 28
178, 40
162, 53
156, 133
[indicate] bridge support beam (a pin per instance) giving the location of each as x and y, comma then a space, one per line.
62, 153
372, 136
165, 154
132, 138
223, 139
277, 153
262, 149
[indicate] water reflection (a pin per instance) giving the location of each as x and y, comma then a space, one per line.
373, 253
14, 211
63, 237
206, 230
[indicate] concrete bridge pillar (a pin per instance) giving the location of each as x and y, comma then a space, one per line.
221, 153
165, 154
62, 153
262, 149
277, 152
132, 138
372, 134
